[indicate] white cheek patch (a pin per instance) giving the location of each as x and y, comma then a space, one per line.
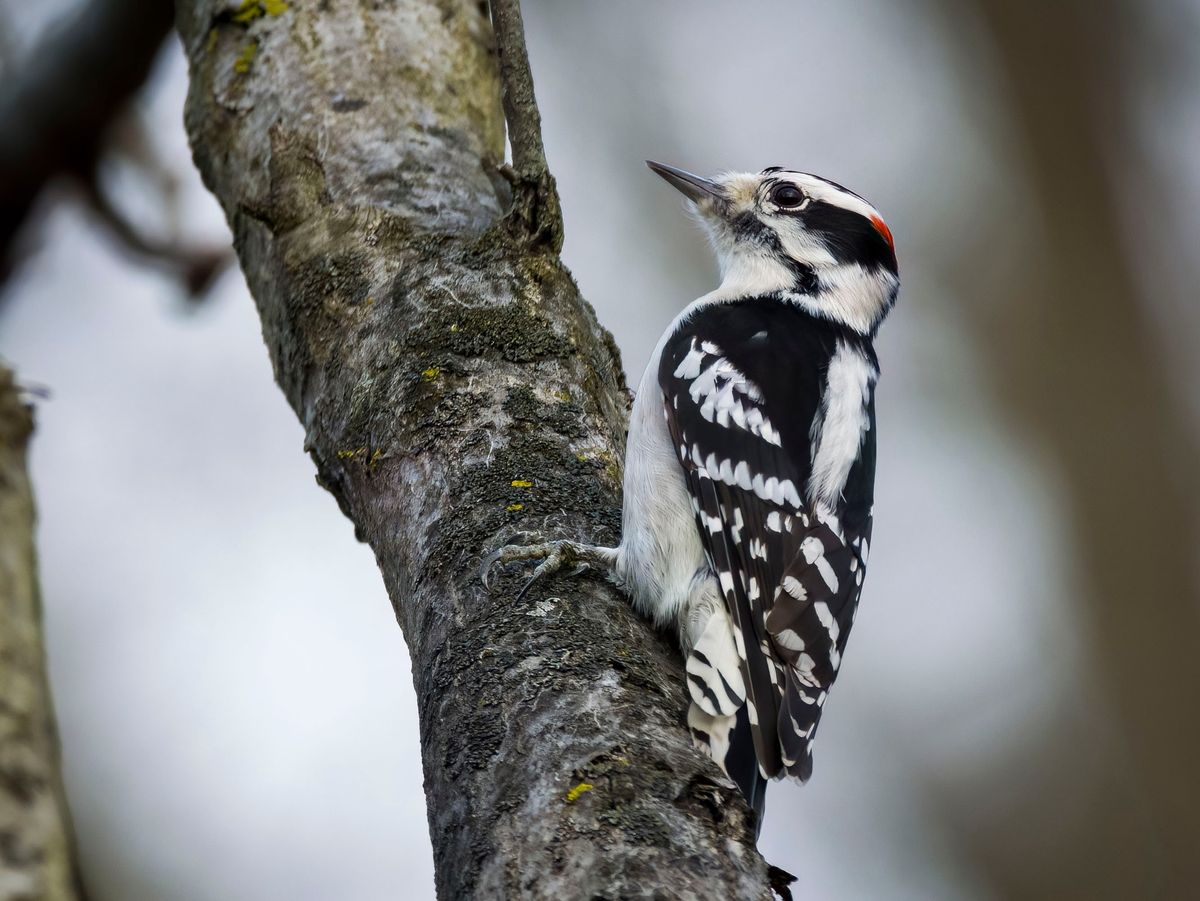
850, 294
802, 245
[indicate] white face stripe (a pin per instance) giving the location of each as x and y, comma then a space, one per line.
819, 189
742, 188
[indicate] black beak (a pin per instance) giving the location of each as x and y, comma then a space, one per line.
693, 187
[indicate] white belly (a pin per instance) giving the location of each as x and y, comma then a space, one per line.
660, 554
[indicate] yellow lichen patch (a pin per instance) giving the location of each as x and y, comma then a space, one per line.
454, 327
360, 453
431, 373
248, 11
522, 483
212, 40
246, 58
513, 508
605, 458
256, 9
564, 396
573, 794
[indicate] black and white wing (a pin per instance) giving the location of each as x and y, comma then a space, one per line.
746, 403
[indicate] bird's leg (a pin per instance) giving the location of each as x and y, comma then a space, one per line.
554, 555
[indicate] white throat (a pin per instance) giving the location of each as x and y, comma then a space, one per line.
846, 293
751, 275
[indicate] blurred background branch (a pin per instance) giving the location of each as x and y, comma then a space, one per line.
65, 108
37, 857
1072, 351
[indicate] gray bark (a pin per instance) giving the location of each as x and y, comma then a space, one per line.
455, 388
36, 851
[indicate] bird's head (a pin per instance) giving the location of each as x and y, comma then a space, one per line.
783, 232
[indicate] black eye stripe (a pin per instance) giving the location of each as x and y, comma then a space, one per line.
849, 235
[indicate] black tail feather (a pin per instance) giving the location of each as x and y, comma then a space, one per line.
741, 763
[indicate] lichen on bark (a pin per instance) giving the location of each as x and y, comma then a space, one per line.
455, 388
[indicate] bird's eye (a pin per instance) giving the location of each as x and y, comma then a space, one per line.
786, 195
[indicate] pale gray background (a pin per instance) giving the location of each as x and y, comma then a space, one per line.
233, 692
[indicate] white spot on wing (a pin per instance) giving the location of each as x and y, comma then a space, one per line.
821, 609
812, 548
722, 393
827, 574
741, 475
790, 640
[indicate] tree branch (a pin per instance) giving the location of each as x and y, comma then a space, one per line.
195, 267
36, 850
536, 210
454, 387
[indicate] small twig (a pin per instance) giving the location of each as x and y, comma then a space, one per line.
56, 106
535, 209
195, 267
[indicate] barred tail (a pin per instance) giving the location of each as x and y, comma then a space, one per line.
728, 741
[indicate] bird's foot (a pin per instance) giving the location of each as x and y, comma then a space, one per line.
554, 555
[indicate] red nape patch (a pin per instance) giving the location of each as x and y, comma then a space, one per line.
881, 227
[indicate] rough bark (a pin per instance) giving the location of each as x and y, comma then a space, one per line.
455, 388
36, 853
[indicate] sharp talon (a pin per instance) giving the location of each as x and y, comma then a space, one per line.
546, 567
485, 569
528, 584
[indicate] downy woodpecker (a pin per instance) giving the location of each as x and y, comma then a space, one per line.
750, 466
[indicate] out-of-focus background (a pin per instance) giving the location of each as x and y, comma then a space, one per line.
1018, 713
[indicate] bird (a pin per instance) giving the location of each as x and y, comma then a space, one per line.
750, 465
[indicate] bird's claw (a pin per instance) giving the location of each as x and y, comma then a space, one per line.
553, 562
554, 555
501, 556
